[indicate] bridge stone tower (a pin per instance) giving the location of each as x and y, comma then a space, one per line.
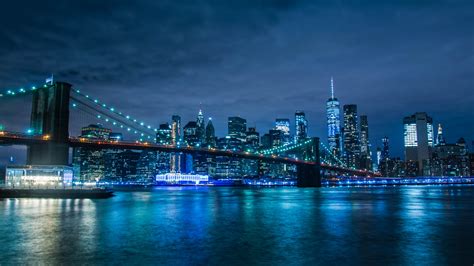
50, 116
310, 175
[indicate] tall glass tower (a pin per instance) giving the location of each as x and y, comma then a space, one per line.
351, 135
283, 125
334, 122
419, 140
301, 126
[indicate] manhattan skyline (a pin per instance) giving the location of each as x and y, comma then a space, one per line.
246, 59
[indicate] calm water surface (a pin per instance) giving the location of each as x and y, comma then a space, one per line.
432, 225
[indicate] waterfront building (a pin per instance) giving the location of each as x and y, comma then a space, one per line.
112, 161
39, 176
183, 179
283, 125
127, 165
200, 164
412, 168
450, 159
301, 126
351, 135
392, 167
237, 127
365, 161
89, 163
228, 167
418, 139
146, 166
121, 166
334, 123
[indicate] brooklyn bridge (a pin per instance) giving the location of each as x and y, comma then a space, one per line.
49, 142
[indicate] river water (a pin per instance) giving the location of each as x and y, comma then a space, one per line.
410, 225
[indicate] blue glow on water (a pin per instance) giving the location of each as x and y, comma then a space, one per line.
399, 225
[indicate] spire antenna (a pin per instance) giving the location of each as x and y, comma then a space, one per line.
332, 88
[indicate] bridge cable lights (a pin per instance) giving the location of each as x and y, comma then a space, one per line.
114, 111
104, 118
20, 91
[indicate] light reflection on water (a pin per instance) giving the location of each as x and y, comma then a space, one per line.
180, 226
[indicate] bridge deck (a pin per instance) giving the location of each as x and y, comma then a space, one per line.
10, 138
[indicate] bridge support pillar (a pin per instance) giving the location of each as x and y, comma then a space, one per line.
50, 116
309, 175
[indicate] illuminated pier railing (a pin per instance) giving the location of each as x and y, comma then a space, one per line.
397, 181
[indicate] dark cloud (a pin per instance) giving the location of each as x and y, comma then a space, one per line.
257, 59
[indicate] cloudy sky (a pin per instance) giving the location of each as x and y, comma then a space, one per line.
257, 59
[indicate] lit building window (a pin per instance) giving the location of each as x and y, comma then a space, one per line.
410, 137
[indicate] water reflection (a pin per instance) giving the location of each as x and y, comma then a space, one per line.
183, 225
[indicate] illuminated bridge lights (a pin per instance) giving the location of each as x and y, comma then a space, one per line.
332, 156
116, 112
118, 124
19, 91
22, 137
286, 147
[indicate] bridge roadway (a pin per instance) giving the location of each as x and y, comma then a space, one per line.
14, 138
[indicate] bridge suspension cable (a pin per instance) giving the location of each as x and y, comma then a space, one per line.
141, 136
293, 146
326, 149
101, 105
286, 147
106, 115
20, 91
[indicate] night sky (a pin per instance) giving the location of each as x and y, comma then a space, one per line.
256, 59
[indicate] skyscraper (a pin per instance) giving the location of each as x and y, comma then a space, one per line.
379, 158
201, 128
175, 158
439, 137
334, 123
418, 138
163, 137
190, 134
89, 163
385, 149
237, 127
175, 129
210, 134
283, 125
365, 161
253, 138
351, 135
301, 126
